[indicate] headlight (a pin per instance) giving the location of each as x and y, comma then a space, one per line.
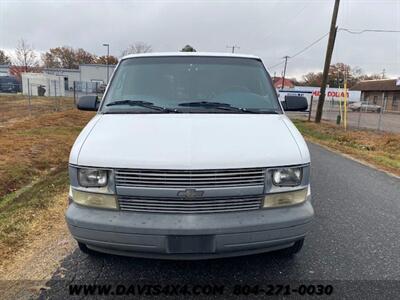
94, 199
287, 176
285, 199
92, 177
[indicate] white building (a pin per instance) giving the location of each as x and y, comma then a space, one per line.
4, 70
69, 76
96, 72
86, 76
52, 84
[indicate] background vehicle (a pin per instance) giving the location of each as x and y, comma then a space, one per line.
364, 106
101, 88
9, 84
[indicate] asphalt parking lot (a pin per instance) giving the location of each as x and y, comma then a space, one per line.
355, 237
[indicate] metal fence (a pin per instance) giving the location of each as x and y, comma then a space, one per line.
366, 117
84, 88
37, 99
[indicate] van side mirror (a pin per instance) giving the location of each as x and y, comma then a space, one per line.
295, 103
90, 103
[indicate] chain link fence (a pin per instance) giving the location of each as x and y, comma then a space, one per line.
359, 115
37, 99
85, 88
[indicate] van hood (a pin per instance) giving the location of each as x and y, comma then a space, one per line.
189, 141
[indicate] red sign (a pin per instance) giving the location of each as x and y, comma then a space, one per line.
336, 94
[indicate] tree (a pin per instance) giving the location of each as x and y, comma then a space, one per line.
336, 76
371, 77
25, 55
138, 47
312, 79
112, 60
67, 57
4, 58
60, 57
84, 57
188, 48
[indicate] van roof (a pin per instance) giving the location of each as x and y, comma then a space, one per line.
212, 54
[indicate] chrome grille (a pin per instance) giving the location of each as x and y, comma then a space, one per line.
199, 205
189, 178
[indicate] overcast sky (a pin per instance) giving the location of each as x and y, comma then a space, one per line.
269, 28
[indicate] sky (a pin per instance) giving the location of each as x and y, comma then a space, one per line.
270, 29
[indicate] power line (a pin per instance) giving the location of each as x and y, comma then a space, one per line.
309, 46
351, 31
301, 51
278, 64
285, 20
368, 30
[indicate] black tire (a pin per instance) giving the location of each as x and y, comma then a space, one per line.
85, 249
296, 248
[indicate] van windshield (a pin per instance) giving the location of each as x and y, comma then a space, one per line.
191, 85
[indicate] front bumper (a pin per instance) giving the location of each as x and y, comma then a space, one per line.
189, 236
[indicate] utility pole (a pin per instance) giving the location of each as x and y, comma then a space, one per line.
284, 72
233, 48
383, 73
328, 58
108, 55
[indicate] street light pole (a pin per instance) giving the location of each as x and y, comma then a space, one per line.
108, 55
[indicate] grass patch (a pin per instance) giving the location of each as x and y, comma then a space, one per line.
13, 107
32, 147
18, 210
377, 148
34, 153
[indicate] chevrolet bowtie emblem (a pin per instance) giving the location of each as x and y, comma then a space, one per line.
190, 193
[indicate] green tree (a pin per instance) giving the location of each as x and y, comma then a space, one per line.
188, 48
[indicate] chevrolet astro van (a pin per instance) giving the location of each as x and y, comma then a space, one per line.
189, 156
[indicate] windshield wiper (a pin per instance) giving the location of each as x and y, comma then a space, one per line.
144, 104
226, 106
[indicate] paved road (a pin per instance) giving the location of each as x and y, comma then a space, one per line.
355, 237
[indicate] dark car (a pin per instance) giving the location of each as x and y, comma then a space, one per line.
9, 84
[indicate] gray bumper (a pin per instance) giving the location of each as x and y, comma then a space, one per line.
209, 235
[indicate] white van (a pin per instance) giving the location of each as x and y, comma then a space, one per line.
189, 156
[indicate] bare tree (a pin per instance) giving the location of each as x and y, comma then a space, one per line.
4, 59
138, 47
25, 55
